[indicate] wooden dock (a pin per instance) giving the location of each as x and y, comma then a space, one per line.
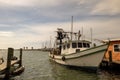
6, 66
3, 66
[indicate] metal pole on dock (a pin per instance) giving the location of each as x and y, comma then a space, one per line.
20, 64
9, 56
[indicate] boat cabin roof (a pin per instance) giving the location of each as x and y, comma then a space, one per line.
78, 41
83, 41
111, 40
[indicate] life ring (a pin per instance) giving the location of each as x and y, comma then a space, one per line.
63, 58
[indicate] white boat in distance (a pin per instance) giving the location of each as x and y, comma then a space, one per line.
76, 52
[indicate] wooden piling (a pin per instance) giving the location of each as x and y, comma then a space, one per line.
20, 63
110, 63
9, 56
110, 56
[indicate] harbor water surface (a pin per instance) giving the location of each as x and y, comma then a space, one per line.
39, 67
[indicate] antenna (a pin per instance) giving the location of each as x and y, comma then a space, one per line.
91, 34
71, 27
82, 34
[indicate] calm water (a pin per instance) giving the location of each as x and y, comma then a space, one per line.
39, 67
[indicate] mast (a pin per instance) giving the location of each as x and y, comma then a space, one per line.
71, 27
82, 34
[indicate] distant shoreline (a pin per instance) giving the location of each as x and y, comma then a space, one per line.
45, 50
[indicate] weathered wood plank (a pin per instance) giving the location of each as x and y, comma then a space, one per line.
3, 66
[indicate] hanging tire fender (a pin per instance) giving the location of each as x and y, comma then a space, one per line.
53, 57
63, 58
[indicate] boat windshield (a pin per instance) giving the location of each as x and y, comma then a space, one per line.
80, 45
74, 45
85, 45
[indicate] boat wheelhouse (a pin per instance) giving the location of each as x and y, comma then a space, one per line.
74, 46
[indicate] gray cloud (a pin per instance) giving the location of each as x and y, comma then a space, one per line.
107, 7
31, 21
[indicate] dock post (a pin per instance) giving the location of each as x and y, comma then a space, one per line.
110, 60
110, 56
9, 56
20, 63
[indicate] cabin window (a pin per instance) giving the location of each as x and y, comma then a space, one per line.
88, 45
79, 45
84, 45
68, 45
117, 48
74, 45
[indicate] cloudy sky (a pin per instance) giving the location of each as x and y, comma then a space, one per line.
32, 22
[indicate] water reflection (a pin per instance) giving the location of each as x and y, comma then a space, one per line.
64, 73
106, 75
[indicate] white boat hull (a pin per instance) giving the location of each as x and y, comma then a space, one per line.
90, 58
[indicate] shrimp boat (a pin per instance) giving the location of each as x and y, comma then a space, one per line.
77, 52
